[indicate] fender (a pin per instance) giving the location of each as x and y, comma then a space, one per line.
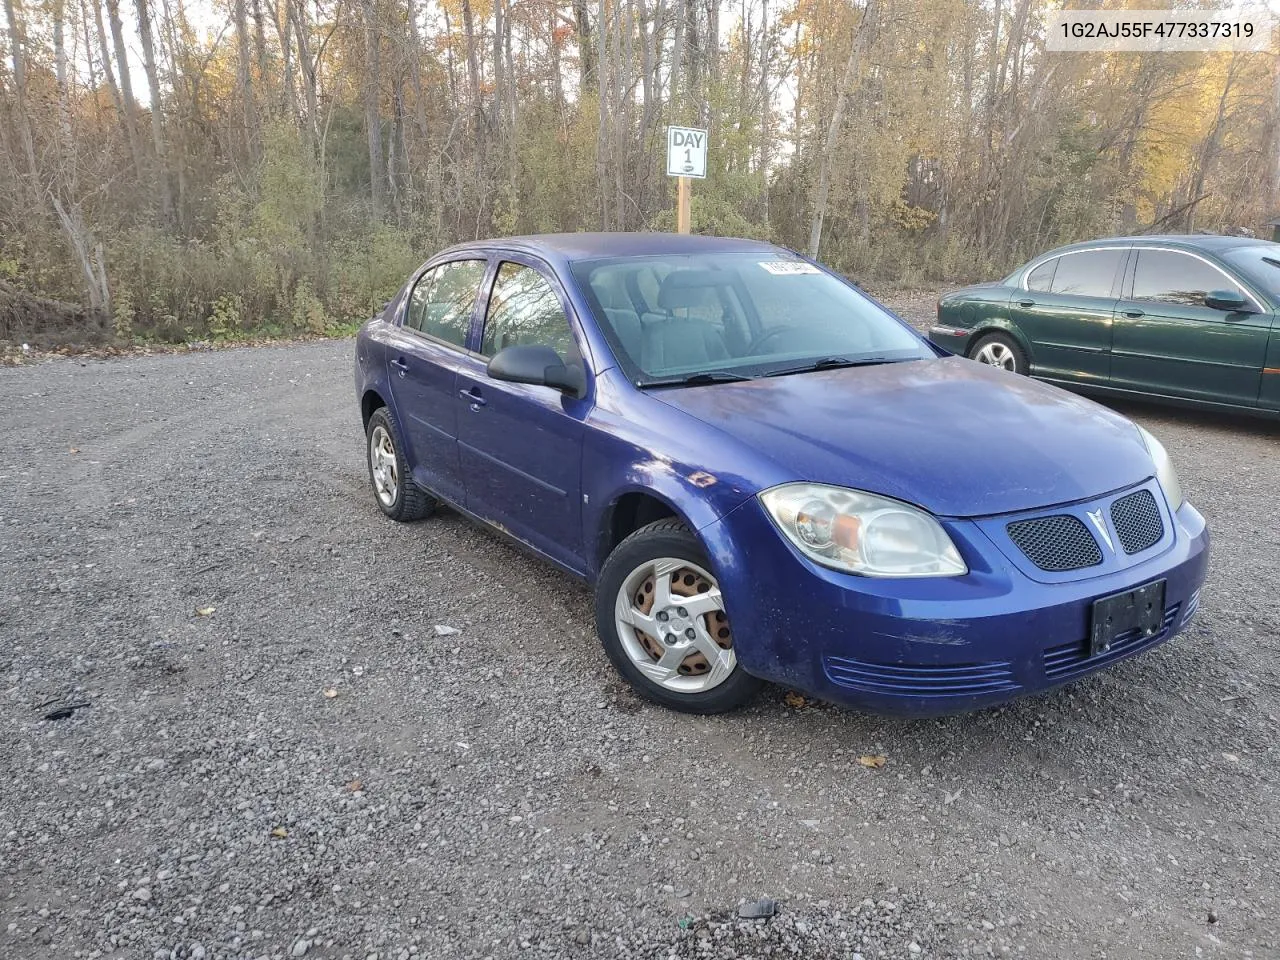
619, 458
1003, 325
371, 363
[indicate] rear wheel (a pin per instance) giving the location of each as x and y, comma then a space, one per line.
1000, 350
393, 487
661, 618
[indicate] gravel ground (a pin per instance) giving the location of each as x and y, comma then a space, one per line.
279, 756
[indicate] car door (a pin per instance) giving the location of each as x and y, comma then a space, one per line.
1065, 306
521, 444
423, 354
1167, 341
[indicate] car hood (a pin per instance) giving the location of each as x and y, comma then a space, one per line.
958, 438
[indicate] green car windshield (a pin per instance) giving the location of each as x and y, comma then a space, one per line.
728, 316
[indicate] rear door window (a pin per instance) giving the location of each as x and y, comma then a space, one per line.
1090, 273
443, 300
1168, 276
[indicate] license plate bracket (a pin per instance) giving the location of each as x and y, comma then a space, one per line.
1141, 608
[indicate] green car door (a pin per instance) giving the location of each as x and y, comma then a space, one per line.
1065, 306
1168, 341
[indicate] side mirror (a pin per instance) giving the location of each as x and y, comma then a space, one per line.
1229, 300
537, 364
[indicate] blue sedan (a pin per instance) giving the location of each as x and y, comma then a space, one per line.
765, 475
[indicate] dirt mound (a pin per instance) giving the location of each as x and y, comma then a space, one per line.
25, 318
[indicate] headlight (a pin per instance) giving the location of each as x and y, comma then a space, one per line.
861, 532
1165, 473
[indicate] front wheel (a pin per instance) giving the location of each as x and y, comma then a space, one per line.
661, 618
1000, 350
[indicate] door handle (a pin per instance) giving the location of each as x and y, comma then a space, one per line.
1134, 314
1026, 303
400, 365
472, 398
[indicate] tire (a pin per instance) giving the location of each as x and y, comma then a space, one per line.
701, 673
393, 490
1000, 350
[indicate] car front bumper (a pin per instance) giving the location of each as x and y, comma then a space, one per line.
930, 646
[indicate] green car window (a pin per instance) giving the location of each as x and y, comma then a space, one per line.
1169, 276
1089, 273
1041, 278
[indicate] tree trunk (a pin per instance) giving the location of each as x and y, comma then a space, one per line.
157, 111
586, 47
766, 111
288, 88
602, 135
17, 38
245, 73
129, 119
109, 74
260, 42
372, 115
473, 72
861, 38
302, 30
677, 60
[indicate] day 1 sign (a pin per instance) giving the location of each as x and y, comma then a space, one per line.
686, 152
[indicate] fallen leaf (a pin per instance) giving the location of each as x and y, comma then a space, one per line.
279, 833
796, 700
205, 611
872, 761
330, 692
355, 785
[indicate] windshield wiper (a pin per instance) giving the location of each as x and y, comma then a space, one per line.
698, 379
830, 363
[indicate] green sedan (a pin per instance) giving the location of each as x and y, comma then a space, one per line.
1190, 320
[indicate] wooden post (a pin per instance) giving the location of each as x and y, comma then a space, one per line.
683, 213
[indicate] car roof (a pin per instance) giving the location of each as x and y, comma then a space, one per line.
1201, 241
570, 247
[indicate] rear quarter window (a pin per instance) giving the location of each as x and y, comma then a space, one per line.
1041, 278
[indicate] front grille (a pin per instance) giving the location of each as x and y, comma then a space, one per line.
1137, 521
951, 680
1072, 659
1056, 543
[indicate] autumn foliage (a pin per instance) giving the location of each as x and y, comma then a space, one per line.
181, 169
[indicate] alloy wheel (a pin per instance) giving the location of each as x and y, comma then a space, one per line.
383, 465
671, 621
998, 355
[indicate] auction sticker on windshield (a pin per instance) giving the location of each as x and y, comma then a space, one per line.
788, 268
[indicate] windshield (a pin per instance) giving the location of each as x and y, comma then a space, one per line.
736, 315
1261, 264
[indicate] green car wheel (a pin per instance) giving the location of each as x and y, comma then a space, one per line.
1000, 350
